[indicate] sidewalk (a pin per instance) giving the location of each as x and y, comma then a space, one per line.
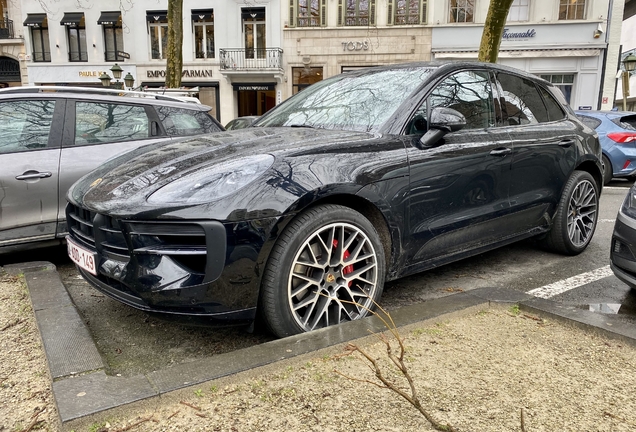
457, 344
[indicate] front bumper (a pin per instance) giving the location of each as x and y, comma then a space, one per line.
204, 268
623, 249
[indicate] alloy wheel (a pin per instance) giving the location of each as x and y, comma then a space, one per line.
582, 211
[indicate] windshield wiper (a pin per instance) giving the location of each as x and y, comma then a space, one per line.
302, 126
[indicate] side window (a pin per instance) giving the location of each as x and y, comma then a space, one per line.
97, 123
184, 122
590, 122
25, 125
521, 102
555, 112
468, 92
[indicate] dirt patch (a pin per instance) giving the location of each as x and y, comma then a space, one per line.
475, 372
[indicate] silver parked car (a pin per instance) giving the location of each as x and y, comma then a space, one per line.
51, 136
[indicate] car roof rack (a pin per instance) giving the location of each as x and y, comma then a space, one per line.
90, 90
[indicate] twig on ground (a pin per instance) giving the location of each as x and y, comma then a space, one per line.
523, 420
190, 405
173, 414
13, 324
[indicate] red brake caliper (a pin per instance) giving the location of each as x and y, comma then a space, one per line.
345, 255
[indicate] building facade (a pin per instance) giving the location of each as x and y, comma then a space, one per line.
246, 57
231, 51
12, 54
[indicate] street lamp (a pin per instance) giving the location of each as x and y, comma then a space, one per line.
129, 81
629, 63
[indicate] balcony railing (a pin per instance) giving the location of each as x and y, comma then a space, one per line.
245, 59
6, 29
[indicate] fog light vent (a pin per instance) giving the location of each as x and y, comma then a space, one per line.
623, 250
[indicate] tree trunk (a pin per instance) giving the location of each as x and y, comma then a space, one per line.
174, 50
493, 30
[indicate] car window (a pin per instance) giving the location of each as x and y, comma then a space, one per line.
25, 125
521, 103
102, 122
626, 122
555, 112
590, 122
468, 92
184, 122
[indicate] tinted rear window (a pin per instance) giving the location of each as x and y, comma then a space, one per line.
590, 122
184, 122
627, 122
523, 104
554, 109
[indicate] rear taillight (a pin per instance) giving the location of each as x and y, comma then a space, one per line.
622, 137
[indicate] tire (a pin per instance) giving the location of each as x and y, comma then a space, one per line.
575, 219
310, 282
607, 171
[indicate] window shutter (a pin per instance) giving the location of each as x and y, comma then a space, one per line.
340, 12
390, 12
292, 13
323, 13
423, 8
372, 12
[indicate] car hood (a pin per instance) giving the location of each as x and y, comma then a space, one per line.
132, 177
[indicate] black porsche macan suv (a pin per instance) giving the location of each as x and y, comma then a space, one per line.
359, 179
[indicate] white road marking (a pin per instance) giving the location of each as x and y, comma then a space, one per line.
607, 220
564, 285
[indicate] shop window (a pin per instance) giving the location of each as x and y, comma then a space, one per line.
519, 11
113, 35
75, 36
40, 46
403, 12
356, 12
158, 28
462, 11
572, 9
303, 77
307, 13
563, 82
203, 23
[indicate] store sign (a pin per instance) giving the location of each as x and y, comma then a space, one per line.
253, 87
508, 35
186, 73
90, 74
355, 46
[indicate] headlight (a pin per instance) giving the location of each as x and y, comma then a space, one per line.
629, 205
214, 182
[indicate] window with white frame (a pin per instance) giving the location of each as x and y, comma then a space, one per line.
203, 23
404, 12
307, 13
519, 11
356, 12
564, 82
158, 28
461, 11
571, 9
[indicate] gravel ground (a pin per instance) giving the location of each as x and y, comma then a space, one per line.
475, 371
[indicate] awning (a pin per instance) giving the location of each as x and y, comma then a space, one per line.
152, 16
109, 18
253, 13
202, 14
72, 19
34, 20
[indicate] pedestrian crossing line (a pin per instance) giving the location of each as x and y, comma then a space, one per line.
564, 285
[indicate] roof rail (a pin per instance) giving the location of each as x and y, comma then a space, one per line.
89, 90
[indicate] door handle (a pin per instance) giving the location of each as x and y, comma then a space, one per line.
34, 175
501, 151
566, 142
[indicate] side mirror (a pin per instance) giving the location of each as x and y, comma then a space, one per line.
443, 121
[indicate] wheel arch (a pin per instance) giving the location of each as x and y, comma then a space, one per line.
593, 169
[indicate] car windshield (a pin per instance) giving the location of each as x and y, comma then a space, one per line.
349, 102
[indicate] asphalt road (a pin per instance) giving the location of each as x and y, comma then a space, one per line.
134, 342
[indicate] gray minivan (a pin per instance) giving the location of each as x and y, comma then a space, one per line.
51, 136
